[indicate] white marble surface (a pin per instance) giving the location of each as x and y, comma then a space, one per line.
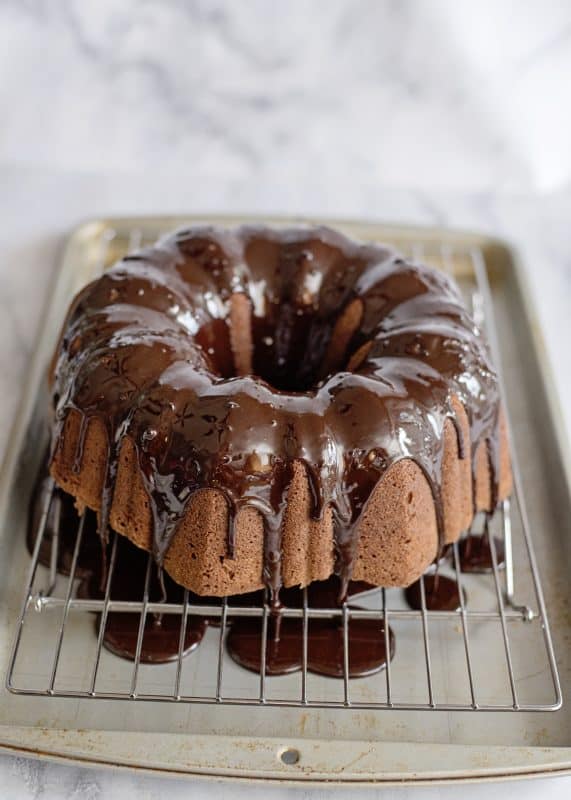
299, 107
22, 778
446, 93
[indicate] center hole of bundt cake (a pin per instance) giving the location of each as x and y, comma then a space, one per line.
289, 353
293, 349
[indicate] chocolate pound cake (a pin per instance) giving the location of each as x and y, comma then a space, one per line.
268, 407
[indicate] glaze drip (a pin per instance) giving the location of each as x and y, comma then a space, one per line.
150, 350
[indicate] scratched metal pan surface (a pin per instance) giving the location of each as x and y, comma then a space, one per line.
299, 743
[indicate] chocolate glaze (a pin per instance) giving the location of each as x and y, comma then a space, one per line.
283, 654
441, 593
325, 636
320, 594
160, 640
367, 652
161, 636
146, 349
475, 554
162, 631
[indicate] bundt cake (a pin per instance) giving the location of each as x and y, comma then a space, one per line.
268, 407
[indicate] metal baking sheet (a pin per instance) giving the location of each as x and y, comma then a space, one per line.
340, 745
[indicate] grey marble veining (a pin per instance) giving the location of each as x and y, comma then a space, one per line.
443, 94
26, 779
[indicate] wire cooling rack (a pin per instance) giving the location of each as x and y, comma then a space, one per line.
473, 658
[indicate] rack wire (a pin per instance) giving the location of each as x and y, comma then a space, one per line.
492, 629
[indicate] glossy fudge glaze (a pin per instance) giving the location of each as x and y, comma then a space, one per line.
228, 359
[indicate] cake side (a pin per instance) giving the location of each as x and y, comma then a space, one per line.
397, 537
